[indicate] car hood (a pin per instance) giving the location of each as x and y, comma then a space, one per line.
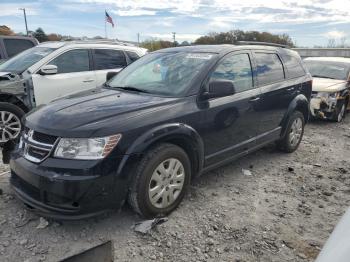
95, 113
327, 85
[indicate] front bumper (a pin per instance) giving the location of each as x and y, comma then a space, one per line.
323, 107
68, 189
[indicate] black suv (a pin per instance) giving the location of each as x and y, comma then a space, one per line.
159, 123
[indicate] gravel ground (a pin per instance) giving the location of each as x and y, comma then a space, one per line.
284, 211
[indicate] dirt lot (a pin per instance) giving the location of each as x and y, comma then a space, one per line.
284, 211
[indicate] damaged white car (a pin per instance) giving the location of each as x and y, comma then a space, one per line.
331, 85
56, 69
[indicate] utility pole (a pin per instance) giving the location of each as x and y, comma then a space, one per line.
174, 33
138, 39
25, 18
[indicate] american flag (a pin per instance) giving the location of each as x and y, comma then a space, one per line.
109, 19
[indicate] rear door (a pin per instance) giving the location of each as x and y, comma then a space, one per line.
74, 75
276, 93
231, 123
107, 60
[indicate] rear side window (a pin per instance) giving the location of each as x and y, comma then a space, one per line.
235, 68
293, 64
109, 59
132, 56
269, 68
15, 46
72, 61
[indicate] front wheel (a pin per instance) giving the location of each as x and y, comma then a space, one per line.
160, 182
294, 133
340, 112
10, 122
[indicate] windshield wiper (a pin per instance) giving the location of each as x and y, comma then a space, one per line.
131, 88
328, 77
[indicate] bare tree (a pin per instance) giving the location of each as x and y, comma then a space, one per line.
331, 43
343, 42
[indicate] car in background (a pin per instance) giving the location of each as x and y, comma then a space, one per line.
162, 121
13, 45
331, 85
52, 70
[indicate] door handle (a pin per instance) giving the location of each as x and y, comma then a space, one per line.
290, 89
88, 80
255, 99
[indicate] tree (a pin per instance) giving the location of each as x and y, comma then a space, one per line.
233, 36
40, 35
5, 30
153, 45
185, 43
54, 37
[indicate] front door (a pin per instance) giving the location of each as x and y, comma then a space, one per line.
74, 75
231, 123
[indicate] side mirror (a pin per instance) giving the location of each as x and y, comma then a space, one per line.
48, 70
110, 75
220, 89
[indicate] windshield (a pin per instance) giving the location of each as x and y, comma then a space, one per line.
167, 74
328, 69
27, 58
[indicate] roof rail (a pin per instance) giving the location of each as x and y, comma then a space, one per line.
99, 41
261, 43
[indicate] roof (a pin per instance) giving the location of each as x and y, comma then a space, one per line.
329, 59
217, 48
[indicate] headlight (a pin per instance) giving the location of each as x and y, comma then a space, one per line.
86, 148
328, 94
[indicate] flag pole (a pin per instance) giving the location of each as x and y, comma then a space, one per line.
105, 25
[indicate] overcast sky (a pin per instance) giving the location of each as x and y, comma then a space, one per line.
308, 22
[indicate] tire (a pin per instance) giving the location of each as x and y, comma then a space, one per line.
10, 122
340, 112
148, 178
295, 128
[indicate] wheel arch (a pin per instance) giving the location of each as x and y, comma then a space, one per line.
12, 99
178, 134
299, 103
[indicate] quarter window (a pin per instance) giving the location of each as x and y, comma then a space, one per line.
15, 46
293, 65
109, 59
269, 68
235, 68
72, 61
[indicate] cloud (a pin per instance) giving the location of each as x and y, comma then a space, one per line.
11, 9
135, 12
335, 34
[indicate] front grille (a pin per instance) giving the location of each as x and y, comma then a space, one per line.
44, 138
37, 146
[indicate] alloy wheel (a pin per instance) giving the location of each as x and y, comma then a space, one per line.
10, 126
296, 131
166, 183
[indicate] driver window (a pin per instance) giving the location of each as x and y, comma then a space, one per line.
235, 68
72, 61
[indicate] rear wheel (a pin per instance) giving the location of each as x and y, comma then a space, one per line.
160, 182
294, 133
340, 112
10, 122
